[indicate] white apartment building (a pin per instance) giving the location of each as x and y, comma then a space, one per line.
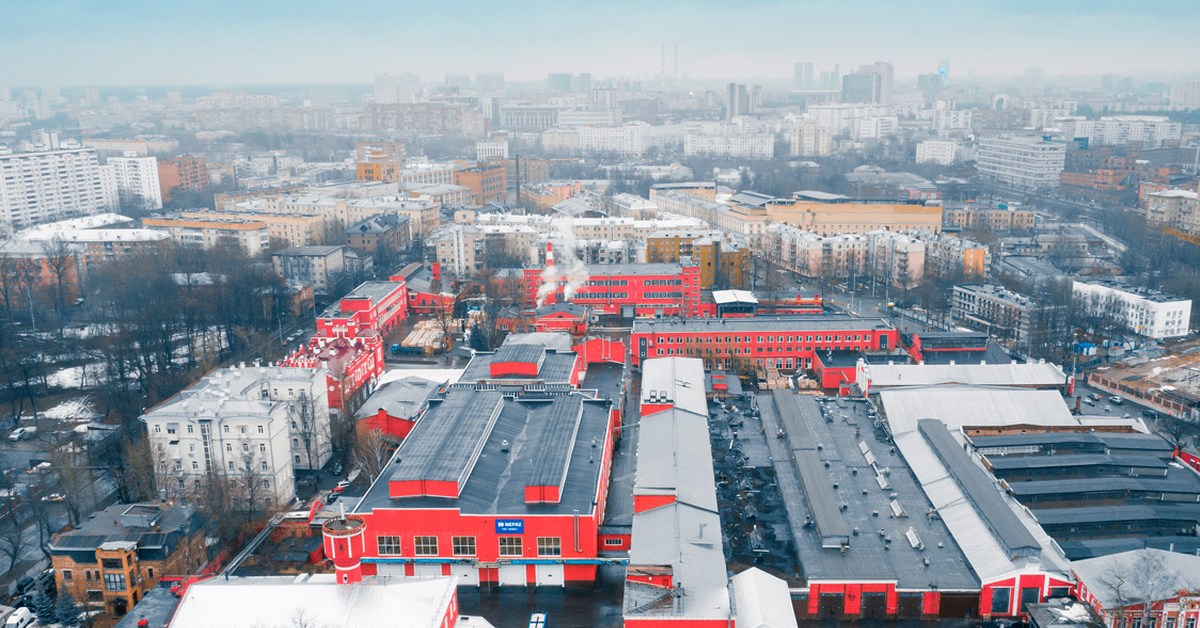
943, 152
49, 185
807, 138
895, 259
251, 236
759, 146
491, 148
466, 249
635, 139
1185, 94
310, 264
572, 118
253, 425
875, 128
1148, 131
1143, 312
1028, 163
946, 121
843, 117
137, 181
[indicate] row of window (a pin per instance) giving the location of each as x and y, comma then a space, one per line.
158, 428
389, 545
760, 339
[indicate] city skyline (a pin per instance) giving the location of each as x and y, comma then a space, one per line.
72, 43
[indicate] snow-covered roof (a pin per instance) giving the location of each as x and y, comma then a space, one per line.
724, 297
1179, 571
762, 600
1043, 375
679, 381
314, 600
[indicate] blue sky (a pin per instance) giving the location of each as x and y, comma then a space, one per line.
139, 42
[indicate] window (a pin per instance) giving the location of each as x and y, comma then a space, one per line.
190, 430
1001, 598
262, 448
462, 545
195, 465
68, 576
510, 546
170, 430
229, 447
266, 484
388, 545
245, 446
261, 430
613, 542
264, 465
95, 595
549, 546
296, 458
425, 545
114, 582
225, 428
157, 429
231, 465
150, 573
242, 429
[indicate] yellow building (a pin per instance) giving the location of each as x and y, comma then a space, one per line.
113, 558
295, 230
723, 262
835, 218
379, 161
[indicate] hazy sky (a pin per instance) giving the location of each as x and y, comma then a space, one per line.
143, 42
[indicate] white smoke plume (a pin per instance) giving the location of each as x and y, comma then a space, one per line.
568, 270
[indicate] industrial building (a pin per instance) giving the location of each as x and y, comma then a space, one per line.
784, 342
626, 290
1099, 492
1168, 579
503, 480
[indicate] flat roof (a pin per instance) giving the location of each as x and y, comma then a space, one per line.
1110, 440
497, 480
444, 445
671, 460
986, 555
1042, 375
1001, 464
376, 291
799, 323
975, 406
1122, 513
688, 540
556, 366
839, 433
725, 297
266, 600
403, 398
1177, 481
679, 381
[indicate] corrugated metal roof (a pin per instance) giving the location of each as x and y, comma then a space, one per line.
1042, 375
677, 380
980, 489
443, 446
674, 458
961, 406
688, 540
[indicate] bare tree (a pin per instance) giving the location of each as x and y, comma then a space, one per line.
12, 533
372, 451
1138, 582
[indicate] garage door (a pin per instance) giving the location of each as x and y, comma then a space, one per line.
467, 574
427, 570
389, 569
512, 576
549, 575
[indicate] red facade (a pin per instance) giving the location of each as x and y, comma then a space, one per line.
624, 291
357, 312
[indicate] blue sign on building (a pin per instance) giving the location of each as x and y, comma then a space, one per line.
510, 526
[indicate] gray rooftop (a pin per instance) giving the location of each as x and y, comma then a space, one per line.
445, 445
148, 524
1108, 440
1188, 514
373, 290
495, 483
1003, 465
608, 270
980, 489
555, 367
403, 398
671, 458
1177, 482
842, 430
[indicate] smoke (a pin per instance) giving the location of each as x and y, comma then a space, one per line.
568, 270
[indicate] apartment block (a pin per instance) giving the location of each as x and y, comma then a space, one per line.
1025, 163
251, 236
137, 181
43, 186
253, 426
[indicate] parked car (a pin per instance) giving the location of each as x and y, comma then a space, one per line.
22, 433
53, 497
1094, 397
1150, 414
20, 618
1116, 400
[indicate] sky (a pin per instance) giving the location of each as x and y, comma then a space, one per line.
68, 43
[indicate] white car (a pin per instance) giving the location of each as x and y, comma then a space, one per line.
21, 433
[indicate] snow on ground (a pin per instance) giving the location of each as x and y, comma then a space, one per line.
83, 376
436, 375
79, 409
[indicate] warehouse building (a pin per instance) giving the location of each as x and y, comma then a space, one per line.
625, 290
502, 481
783, 342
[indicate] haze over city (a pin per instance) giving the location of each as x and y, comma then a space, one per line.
225, 42
679, 314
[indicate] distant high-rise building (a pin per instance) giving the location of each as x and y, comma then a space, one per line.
930, 86
461, 80
860, 87
804, 76
582, 83
489, 81
1184, 93
737, 100
137, 181
559, 82
881, 89
48, 185
393, 89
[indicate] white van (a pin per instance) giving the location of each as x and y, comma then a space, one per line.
20, 618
